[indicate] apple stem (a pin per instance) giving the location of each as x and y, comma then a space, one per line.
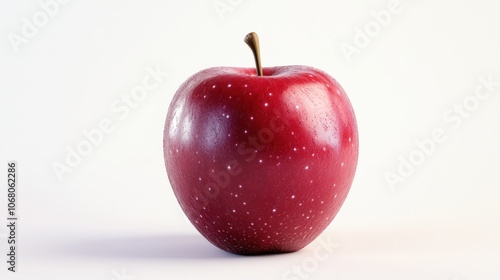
252, 41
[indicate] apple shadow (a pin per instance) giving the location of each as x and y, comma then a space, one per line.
146, 247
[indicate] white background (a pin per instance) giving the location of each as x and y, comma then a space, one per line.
115, 216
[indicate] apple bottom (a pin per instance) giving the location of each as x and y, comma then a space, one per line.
282, 213
244, 234
246, 244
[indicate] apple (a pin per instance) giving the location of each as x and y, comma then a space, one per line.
260, 161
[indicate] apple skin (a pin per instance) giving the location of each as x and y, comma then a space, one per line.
260, 164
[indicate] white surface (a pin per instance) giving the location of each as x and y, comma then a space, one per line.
114, 216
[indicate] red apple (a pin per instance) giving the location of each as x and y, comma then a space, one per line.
260, 163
